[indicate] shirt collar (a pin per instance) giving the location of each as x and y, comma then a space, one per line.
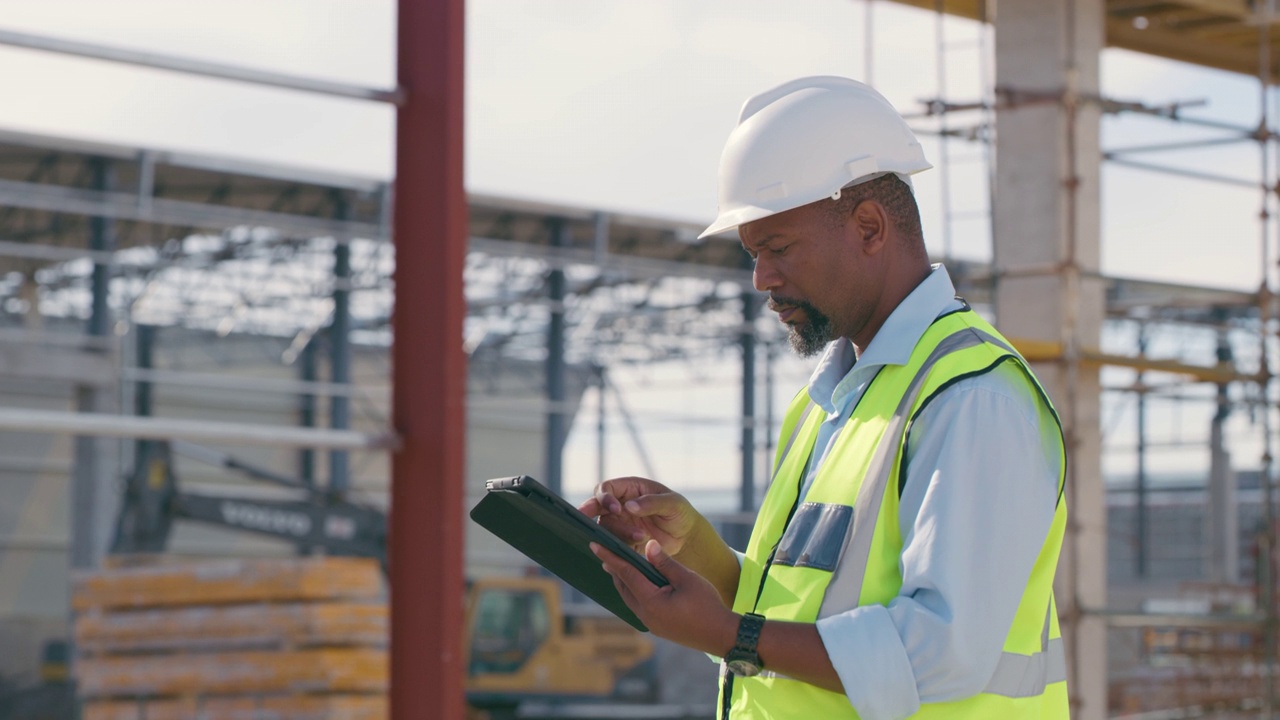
892, 344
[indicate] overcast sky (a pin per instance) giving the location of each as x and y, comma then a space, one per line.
613, 104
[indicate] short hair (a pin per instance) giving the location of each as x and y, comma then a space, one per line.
890, 191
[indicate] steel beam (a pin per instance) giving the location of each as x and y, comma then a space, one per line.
746, 492
307, 410
87, 497
340, 352
555, 368
429, 372
195, 67
1140, 526
130, 206
207, 431
243, 384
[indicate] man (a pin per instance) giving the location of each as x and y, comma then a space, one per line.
902, 562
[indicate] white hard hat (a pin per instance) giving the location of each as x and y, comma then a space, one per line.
805, 140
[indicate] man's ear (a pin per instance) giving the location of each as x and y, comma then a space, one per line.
869, 225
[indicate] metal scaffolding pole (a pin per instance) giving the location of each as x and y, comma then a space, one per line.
768, 412
428, 366
1221, 525
601, 415
868, 47
143, 403
1141, 530
195, 67
143, 400
944, 161
307, 410
201, 431
746, 493
87, 503
1266, 552
340, 353
556, 425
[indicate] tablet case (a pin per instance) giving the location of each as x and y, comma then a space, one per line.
554, 534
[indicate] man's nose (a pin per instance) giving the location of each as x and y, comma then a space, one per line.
764, 277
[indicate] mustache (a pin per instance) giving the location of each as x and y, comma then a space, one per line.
778, 303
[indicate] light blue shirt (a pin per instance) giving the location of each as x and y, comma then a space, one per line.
981, 488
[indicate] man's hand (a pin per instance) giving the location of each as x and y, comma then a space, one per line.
688, 611
638, 510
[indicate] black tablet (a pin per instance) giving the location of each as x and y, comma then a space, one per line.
551, 532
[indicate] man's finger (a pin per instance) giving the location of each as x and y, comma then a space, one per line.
658, 504
629, 532
590, 508
664, 563
607, 501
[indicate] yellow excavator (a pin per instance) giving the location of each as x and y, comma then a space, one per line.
529, 652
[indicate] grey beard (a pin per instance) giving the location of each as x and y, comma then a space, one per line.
812, 337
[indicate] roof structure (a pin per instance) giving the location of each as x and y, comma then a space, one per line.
209, 242
224, 244
1222, 34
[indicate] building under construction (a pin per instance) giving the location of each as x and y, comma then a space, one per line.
239, 316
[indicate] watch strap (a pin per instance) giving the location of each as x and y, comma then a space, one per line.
749, 632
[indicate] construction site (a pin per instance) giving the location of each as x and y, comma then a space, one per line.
245, 406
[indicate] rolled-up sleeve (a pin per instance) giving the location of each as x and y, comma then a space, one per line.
979, 498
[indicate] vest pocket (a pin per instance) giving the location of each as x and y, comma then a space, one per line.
815, 536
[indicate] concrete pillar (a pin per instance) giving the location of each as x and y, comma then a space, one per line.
1221, 526
1046, 255
1221, 516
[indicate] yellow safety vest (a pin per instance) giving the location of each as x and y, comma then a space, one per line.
841, 547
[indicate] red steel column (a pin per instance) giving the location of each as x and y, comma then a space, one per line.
428, 367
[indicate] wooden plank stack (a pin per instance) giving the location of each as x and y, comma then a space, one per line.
1187, 668
278, 639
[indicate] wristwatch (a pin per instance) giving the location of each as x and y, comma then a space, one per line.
743, 659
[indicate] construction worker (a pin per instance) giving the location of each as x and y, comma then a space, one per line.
903, 558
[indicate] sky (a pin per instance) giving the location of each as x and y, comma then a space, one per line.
616, 104
619, 105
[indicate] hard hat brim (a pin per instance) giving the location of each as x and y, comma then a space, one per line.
735, 218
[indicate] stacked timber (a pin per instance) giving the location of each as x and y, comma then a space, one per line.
1191, 667
279, 639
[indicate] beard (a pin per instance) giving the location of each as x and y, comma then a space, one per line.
810, 337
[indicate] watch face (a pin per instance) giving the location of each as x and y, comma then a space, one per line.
743, 667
